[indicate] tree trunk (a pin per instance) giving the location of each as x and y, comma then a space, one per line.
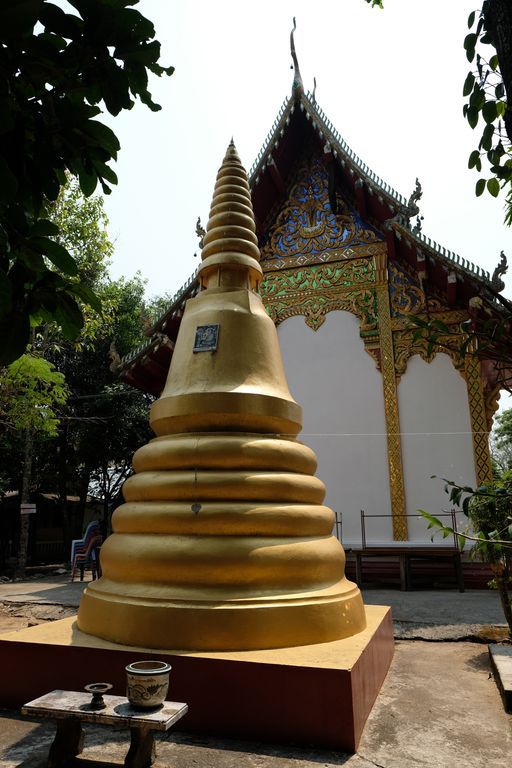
62, 481
25, 499
498, 20
85, 479
501, 585
501, 577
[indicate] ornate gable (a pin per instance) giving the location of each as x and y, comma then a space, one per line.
307, 231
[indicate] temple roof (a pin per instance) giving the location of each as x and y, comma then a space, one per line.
301, 120
396, 203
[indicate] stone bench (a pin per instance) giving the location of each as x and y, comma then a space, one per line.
72, 708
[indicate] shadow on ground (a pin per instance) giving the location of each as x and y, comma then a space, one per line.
268, 750
106, 747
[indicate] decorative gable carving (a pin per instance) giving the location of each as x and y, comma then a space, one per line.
306, 231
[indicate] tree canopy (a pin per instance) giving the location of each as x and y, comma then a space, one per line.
32, 394
58, 68
83, 424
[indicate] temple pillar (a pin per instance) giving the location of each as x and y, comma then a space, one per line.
387, 364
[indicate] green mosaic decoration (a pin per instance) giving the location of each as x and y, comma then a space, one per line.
318, 277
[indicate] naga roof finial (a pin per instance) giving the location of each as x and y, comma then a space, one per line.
313, 97
496, 281
297, 85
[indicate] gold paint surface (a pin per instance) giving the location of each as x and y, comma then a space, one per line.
387, 361
336, 654
478, 415
224, 542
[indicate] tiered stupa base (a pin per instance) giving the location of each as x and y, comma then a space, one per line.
318, 695
239, 625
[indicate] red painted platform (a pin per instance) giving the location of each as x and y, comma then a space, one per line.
318, 695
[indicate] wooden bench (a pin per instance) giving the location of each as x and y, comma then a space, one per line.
405, 556
72, 708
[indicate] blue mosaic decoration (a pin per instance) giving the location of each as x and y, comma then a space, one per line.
206, 338
306, 228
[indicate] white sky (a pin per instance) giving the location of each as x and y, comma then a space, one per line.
391, 82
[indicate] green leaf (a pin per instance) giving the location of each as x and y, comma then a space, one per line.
486, 140
473, 158
480, 186
499, 91
469, 45
103, 135
104, 171
44, 227
88, 182
14, 335
489, 111
87, 295
494, 62
57, 254
433, 522
493, 186
472, 116
478, 97
69, 316
501, 108
468, 84
471, 19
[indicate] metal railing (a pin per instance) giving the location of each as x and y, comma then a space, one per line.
452, 515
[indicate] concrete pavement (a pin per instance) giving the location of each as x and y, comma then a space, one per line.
439, 607
439, 706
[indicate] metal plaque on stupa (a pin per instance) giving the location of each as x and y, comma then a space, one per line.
206, 338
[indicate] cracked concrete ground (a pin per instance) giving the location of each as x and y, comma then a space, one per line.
439, 706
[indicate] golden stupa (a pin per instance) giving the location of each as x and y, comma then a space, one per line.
223, 542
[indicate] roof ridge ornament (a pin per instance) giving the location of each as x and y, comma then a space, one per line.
313, 95
409, 210
412, 207
297, 85
200, 230
496, 281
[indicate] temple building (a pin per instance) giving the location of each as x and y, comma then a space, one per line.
345, 267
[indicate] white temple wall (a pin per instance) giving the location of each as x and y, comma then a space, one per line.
436, 438
340, 389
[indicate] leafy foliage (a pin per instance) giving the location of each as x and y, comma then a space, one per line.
502, 447
101, 423
487, 89
485, 335
489, 512
56, 68
32, 394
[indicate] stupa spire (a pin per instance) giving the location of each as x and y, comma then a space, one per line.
224, 541
231, 227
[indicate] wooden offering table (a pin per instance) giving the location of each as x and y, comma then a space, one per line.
72, 708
